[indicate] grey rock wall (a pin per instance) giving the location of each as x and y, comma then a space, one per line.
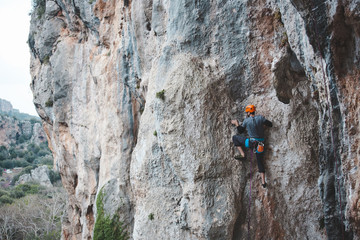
39, 175
166, 164
5, 106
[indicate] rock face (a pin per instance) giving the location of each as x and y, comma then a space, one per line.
39, 175
137, 97
14, 125
5, 106
12, 129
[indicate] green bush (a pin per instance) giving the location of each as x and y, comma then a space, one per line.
49, 103
31, 147
7, 164
20, 153
161, 95
17, 193
39, 7
54, 176
20, 140
44, 145
12, 153
5, 199
28, 188
46, 60
14, 163
23, 138
4, 154
36, 149
43, 153
3, 192
30, 157
107, 228
46, 160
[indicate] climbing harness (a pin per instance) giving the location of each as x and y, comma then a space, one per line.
256, 144
330, 115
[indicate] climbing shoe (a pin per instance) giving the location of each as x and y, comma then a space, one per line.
239, 157
264, 185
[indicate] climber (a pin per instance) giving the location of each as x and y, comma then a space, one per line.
255, 128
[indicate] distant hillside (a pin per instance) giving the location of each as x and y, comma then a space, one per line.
22, 139
7, 109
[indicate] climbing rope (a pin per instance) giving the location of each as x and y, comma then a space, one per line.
249, 209
329, 113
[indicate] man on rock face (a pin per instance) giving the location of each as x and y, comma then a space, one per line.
255, 128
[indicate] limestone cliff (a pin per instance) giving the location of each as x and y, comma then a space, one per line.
137, 97
18, 128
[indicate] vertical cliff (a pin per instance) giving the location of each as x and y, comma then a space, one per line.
137, 97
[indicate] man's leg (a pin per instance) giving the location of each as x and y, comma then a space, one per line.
241, 151
239, 141
259, 159
262, 174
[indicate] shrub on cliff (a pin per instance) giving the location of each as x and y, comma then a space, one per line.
161, 94
39, 7
107, 228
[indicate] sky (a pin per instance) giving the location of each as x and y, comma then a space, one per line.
15, 76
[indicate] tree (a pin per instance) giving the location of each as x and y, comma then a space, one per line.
8, 225
34, 216
30, 156
12, 153
4, 154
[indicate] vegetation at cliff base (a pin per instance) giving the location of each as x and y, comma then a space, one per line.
24, 154
107, 228
34, 213
23, 145
27, 210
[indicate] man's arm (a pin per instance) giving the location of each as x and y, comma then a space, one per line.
239, 128
268, 123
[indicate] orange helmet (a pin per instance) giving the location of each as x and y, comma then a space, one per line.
250, 108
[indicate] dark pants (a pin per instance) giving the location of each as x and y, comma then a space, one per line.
239, 141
